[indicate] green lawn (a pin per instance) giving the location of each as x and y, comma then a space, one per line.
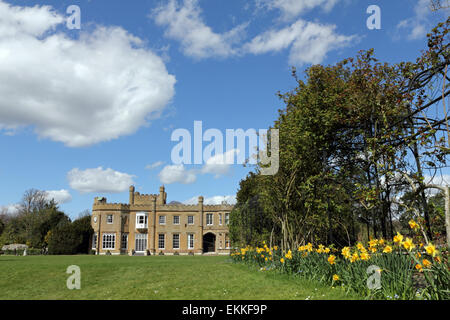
155, 277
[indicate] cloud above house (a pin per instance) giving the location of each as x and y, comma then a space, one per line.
230, 199
80, 91
59, 196
218, 165
177, 174
99, 180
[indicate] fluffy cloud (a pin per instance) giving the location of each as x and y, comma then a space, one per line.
292, 8
419, 25
99, 180
10, 209
219, 164
60, 196
213, 200
184, 23
101, 86
309, 41
177, 173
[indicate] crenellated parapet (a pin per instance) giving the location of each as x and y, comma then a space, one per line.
145, 199
218, 207
110, 206
177, 207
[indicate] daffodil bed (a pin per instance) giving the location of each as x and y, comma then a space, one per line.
380, 269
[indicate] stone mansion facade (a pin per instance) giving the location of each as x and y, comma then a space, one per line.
147, 225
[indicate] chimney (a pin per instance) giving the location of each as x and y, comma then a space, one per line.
131, 194
162, 195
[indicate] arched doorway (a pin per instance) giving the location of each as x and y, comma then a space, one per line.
209, 242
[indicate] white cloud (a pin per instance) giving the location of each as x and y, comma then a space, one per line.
11, 208
60, 196
99, 87
154, 165
177, 173
184, 23
420, 24
213, 200
220, 164
309, 41
99, 180
293, 8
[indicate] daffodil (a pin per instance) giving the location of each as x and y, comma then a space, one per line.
282, 260
398, 238
373, 242
431, 249
331, 259
426, 263
335, 277
365, 256
413, 225
387, 249
346, 252
419, 267
408, 244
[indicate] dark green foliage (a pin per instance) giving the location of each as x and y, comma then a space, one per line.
71, 238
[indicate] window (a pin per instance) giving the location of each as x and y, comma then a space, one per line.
176, 241
124, 242
227, 218
161, 241
220, 218
109, 241
94, 241
190, 241
109, 218
176, 219
209, 219
141, 220
190, 219
162, 219
141, 242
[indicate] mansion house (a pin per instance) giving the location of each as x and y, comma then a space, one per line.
147, 225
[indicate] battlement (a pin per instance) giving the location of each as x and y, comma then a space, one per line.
110, 206
177, 207
218, 207
144, 198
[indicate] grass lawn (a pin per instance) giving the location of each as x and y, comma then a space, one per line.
155, 277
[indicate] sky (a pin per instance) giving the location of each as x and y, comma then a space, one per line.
89, 109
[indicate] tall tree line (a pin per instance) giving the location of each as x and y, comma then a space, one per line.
356, 141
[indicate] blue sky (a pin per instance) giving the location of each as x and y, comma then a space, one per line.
87, 112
